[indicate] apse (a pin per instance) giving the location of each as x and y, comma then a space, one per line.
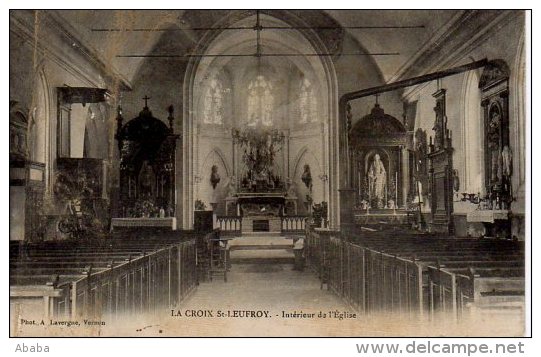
280, 90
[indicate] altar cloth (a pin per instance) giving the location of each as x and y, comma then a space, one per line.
167, 222
487, 216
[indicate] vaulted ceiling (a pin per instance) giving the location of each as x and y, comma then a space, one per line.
412, 31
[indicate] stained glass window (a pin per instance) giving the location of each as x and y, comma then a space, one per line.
307, 103
214, 102
260, 102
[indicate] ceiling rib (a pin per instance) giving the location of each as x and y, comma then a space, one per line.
260, 54
262, 28
258, 27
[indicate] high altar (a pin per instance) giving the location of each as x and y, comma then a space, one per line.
261, 196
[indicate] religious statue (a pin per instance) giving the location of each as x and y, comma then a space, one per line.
291, 192
507, 162
146, 180
456, 180
493, 138
232, 187
377, 181
307, 177
214, 176
438, 127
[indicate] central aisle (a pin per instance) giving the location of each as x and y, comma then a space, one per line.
267, 290
273, 300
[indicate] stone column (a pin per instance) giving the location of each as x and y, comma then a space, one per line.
347, 219
405, 176
286, 168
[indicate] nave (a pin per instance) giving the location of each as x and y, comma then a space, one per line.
369, 162
386, 283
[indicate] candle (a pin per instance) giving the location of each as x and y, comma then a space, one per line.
396, 189
386, 195
369, 190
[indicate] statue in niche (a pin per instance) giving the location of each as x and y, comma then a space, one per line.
493, 138
214, 176
456, 180
438, 126
232, 187
377, 182
146, 180
507, 162
291, 192
307, 177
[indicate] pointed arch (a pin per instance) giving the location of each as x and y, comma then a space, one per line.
304, 151
41, 143
218, 152
198, 67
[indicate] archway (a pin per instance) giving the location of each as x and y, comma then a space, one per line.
472, 171
285, 76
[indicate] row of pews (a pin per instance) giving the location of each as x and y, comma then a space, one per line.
408, 272
104, 278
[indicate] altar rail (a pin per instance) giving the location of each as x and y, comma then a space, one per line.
233, 224
293, 224
96, 282
449, 276
229, 224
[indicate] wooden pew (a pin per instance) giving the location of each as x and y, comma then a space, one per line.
414, 273
93, 279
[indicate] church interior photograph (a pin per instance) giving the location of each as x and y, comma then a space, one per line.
268, 173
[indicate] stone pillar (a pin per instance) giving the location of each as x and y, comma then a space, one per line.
347, 219
286, 169
405, 176
234, 158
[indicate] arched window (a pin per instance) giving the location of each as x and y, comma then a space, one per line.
214, 103
472, 138
307, 103
260, 102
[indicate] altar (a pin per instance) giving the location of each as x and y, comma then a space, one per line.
496, 222
146, 171
261, 212
138, 222
261, 197
282, 198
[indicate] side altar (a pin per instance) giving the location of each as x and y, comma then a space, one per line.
146, 195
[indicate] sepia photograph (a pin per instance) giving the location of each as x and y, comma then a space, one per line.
269, 173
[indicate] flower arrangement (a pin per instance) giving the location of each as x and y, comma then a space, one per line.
145, 208
200, 205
